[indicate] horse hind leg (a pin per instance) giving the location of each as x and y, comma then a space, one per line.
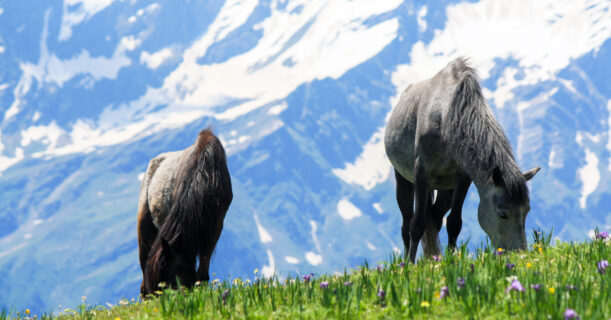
421, 221
443, 203
405, 200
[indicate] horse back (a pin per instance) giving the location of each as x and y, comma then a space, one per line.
415, 126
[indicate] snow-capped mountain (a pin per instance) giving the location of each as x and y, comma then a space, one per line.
299, 92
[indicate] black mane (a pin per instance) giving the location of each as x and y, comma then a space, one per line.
476, 140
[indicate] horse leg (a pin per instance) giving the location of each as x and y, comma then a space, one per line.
454, 221
418, 223
442, 204
405, 199
147, 232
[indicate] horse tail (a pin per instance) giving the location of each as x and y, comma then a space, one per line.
430, 239
202, 195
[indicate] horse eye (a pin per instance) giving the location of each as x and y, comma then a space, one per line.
502, 214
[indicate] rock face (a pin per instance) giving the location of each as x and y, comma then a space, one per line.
299, 92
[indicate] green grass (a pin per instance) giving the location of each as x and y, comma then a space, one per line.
567, 273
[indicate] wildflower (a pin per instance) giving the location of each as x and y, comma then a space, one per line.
117, 318
381, 294
155, 310
156, 292
161, 285
123, 302
538, 247
109, 304
510, 266
529, 265
347, 283
381, 267
307, 277
437, 258
602, 236
460, 282
472, 267
237, 281
537, 286
570, 314
425, 304
437, 295
499, 252
27, 311
444, 292
198, 283
515, 285
602, 265
402, 264
256, 270
83, 298
224, 295
324, 285
551, 290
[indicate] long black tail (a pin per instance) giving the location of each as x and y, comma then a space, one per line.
202, 195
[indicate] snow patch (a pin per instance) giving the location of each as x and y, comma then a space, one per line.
378, 207
156, 59
420, 19
78, 11
269, 270
291, 260
371, 167
263, 234
313, 258
347, 210
590, 177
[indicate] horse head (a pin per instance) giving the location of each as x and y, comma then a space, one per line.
167, 265
502, 217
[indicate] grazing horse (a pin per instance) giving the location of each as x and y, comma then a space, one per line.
442, 136
183, 200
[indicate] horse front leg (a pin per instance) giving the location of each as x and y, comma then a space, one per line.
418, 222
454, 221
203, 271
405, 200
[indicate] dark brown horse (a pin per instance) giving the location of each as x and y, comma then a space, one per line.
183, 200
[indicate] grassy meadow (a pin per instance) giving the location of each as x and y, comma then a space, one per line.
560, 281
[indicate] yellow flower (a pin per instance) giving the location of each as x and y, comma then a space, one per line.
158, 292
551, 290
215, 281
529, 265
27, 311
265, 286
540, 249
256, 270
155, 310
117, 318
437, 294
500, 249
425, 304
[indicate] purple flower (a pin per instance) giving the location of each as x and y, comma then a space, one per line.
570, 314
460, 282
307, 277
537, 286
347, 283
225, 294
510, 266
380, 267
571, 287
515, 285
602, 236
499, 252
472, 266
602, 265
444, 292
402, 264
324, 285
437, 258
381, 294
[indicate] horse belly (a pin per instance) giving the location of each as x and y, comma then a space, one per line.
161, 188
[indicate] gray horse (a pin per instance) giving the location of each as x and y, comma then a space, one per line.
442, 136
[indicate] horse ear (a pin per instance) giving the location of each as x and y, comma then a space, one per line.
167, 249
530, 173
497, 177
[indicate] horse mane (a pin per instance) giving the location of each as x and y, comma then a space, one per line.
476, 140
